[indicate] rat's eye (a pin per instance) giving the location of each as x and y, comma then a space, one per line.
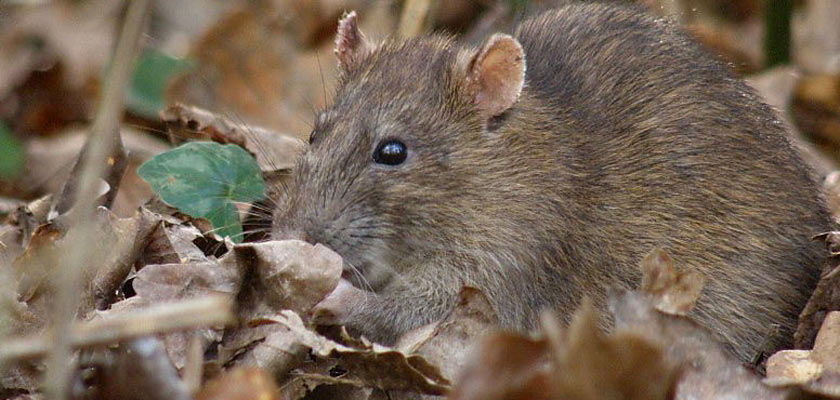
312, 137
390, 152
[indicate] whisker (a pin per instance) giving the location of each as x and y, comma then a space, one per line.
361, 278
364, 236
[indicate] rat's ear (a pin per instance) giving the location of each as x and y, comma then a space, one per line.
496, 73
351, 47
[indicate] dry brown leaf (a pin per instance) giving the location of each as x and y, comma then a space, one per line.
241, 384
313, 22
294, 275
673, 292
32, 267
821, 90
19, 62
16, 316
282, 275
792, 367
28, 396
818, 370
827, 344
776, 87
458, 15
324, 378
319, 387
248, 69
159, 283
273, 151
192, 275
273, 65
22, 377
271, 347
172, 244
727, 42
623, 365
134, 234
816, 37
708, 372
42, 102
295, 389
24, 221
826, 296
816, 110
48, 162
377, 366
506, 366
141, 370
118, 242
11, 308
581, 364
80, 34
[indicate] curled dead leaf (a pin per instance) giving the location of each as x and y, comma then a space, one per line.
506, 366
376, 366
141, 370
241, 384
295, 275
816, 371
674, 292
708, 371
825, 297
623, 365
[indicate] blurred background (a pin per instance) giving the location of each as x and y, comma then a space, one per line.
269, 63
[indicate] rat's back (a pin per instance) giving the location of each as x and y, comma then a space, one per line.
671, 150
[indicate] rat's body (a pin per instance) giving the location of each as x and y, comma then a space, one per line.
624, 137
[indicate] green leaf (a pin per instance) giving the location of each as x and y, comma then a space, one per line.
153, 71
11, 154
206, 180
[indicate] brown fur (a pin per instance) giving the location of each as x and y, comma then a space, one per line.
626, 137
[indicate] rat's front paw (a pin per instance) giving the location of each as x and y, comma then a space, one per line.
339, 306
381, 317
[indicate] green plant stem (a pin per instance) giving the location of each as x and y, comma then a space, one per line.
413, 18
777, 16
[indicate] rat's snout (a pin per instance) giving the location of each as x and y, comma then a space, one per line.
318, 225
303, 221
290, 219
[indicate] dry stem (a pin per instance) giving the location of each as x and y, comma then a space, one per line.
105, 127
160, 318
413, 17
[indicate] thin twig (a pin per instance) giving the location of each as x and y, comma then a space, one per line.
194, 365
160, 318
102, 137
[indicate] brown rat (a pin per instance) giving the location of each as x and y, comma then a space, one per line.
543, 167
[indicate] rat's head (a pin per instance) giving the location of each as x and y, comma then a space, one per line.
390, 167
